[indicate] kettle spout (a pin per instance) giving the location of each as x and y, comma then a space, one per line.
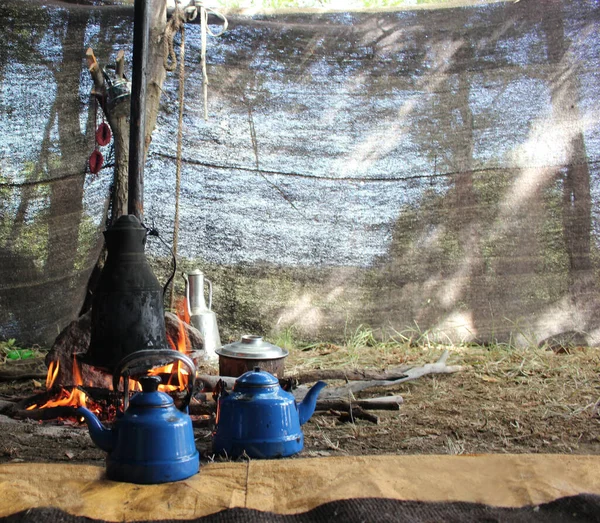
307, 407
100, 435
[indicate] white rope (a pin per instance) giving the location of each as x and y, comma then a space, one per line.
204, 30
192, 10
187, 14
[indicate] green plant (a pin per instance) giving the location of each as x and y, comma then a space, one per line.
9, 350
286, 338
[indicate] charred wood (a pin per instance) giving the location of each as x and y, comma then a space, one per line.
354, 413
382, 403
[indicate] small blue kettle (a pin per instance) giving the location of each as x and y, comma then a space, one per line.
259, 419
152, 441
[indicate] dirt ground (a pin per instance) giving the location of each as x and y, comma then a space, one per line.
503, 401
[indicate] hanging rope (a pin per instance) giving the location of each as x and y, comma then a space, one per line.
179, 148
204, 30
176, 24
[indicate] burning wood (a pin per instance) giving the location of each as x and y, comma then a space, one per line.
74, 397
175, 379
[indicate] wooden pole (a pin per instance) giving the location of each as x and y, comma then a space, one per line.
137, 132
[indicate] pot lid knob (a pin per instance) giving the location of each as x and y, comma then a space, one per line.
150, 383
256, 378
150, 397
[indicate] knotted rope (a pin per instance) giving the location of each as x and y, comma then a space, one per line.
175, 25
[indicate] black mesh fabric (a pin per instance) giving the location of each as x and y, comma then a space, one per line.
582, 508
429, 166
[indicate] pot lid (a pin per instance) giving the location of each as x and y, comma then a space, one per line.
150, 397
252, 347
256, 378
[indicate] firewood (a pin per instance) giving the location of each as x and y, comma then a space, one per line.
202, 423
6, 407
348, 375
210, 382
202, 409
394, 377
382, 403
348, 390
45, 414
23, 370
355, 413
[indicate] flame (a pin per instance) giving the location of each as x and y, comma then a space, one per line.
181, 344
52, 373
65, 398
178, 377
183, 311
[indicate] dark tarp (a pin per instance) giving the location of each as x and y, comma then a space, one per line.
430, 170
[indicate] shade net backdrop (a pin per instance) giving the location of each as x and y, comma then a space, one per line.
412, 170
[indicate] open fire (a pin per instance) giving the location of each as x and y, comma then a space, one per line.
174, 375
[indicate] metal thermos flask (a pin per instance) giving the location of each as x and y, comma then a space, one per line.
201, 316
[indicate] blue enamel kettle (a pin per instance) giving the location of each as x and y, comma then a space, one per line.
259, 419
152, 441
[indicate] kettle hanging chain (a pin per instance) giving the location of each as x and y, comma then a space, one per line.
153, 231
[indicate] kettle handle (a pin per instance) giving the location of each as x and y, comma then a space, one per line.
209, 294
187, 294
145, 358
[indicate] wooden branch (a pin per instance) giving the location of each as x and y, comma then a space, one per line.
394, 377
46, 414
382, 403
202, 409
95, 72
348, 391
356, 412
120, 64
15, 376
6, 407
349, 375
202, 423
23, 370
210, 382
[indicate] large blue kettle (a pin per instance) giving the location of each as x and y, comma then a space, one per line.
259, 419
152, 441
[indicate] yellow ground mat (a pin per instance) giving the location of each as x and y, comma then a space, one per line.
296, 485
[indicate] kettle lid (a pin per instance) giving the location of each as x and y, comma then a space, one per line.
150, 397
256, 379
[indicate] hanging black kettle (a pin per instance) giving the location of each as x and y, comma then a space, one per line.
127, 307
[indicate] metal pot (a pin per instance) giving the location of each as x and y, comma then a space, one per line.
251, 351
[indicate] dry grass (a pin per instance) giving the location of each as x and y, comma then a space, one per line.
507, 399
